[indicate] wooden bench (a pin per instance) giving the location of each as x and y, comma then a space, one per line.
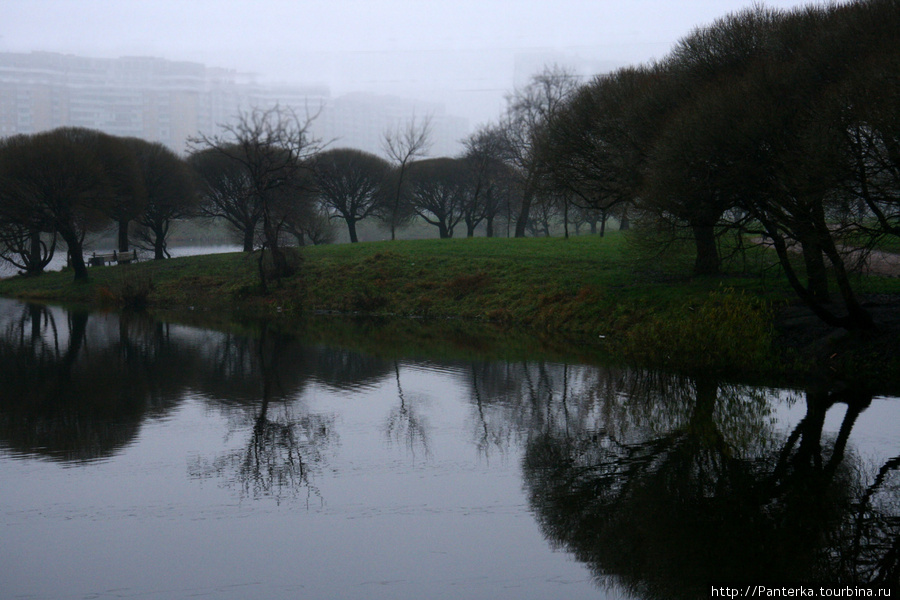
100, 260
126, 257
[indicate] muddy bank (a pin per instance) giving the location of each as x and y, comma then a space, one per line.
865, 357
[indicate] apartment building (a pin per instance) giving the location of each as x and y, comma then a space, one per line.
171, 101
359, 120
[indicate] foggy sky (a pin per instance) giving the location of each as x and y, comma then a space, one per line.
460, 52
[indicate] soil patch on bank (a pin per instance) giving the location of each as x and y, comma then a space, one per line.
834, 349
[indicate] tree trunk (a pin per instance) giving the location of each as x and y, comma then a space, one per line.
76, 256
490, 227
351, 228
395, 202
707, 262
248, 239
802, 291
856, 314
280, 266
159, 241
522, 220
123, 235
816, 272
35, 260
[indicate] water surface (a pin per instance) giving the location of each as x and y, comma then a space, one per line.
152, 460
59, 257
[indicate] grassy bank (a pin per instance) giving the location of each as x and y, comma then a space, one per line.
647, 310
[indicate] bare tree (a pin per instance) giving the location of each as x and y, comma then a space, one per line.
352, 183
528, 111
595, 146
544, 212
124, 174
273, 146
170, 192
316, 228
24, 247
484, 154
57, 181
438, 192
225, 193
402, 145
21, 243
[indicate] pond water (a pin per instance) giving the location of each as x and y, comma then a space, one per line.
59, 257
153, 460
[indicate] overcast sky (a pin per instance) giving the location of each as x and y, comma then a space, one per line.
459, 51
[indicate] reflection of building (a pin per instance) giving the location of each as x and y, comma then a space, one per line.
167, 101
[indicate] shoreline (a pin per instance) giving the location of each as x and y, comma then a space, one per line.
593, 289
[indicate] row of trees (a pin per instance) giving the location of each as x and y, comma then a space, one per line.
782, 125
499, 175
67, 182
775, 124
264, 175
778, 124
271, 181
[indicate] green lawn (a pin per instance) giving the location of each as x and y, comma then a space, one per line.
648, 307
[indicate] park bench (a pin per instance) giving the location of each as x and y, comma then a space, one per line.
100, 260
126, 257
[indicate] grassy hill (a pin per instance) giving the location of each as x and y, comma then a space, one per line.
644, 307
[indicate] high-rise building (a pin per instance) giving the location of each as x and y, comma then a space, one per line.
170, 102
360, 120
150, 98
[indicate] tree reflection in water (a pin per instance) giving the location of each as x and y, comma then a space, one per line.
76, 387
665, 486
283, 448
661, 485
404, 424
